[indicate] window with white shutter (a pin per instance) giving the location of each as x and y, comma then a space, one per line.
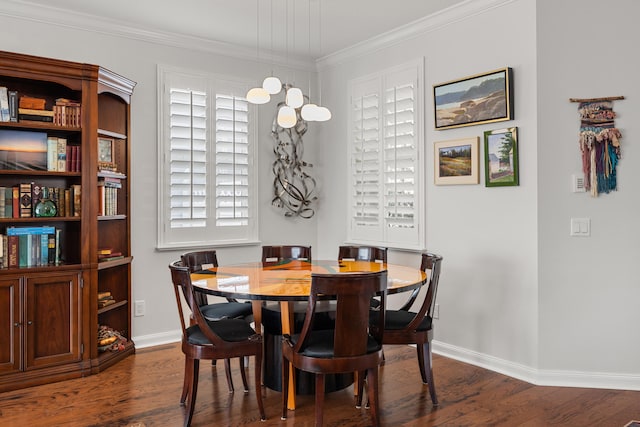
386, 151
206, 185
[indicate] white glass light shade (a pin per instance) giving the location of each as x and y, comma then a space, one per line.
322, 114
287, 117
258, 95
308, 112
294, 97
272, 85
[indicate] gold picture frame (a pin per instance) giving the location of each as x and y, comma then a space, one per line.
457, 161
105, 150
473, 100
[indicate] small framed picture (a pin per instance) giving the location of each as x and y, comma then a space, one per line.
501, 157
457, 161
105, 150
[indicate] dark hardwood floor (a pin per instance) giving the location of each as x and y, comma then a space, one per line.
144, 390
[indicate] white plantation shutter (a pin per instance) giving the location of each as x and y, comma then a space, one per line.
188, 158
366, 161
206, 191
387, 160
232, 161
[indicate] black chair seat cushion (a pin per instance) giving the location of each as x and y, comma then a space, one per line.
320, 344
399, 319
226, 310
232, 330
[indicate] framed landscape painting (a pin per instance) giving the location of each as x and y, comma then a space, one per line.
483, 98
501, 157
457, 161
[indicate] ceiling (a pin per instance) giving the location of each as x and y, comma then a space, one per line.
341, 23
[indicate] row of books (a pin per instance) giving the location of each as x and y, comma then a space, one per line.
30, 247
21, 201
14, 108
63, 157
108, 188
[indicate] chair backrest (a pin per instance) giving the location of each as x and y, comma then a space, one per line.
285, 252
181, 278
362, 253
353, 293
430, 262
200, 260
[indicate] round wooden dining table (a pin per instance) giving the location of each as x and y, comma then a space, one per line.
290, 281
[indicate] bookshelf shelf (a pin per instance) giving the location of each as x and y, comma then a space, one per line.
96, 102
112, 306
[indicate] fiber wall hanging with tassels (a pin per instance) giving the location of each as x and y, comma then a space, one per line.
599, 144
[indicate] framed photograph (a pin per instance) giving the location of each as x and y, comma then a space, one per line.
501, 157
105, 150
483, 98
457, 161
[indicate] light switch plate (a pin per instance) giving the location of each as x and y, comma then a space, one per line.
580, 227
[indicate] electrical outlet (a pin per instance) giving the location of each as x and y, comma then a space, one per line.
436, 311
139, 308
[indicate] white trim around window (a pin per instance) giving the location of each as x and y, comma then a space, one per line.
207, 179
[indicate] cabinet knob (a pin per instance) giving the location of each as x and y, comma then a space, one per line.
16, 324
30, 322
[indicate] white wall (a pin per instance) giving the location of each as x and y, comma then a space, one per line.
589, 288
138, 61
488, 236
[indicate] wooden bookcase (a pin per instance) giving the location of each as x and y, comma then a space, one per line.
49, 313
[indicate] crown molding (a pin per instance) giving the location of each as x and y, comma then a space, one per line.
411, 30
79, 21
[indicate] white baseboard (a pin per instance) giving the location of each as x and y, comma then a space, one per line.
152, 340
537, 376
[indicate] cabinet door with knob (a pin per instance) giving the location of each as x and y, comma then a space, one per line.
10, 325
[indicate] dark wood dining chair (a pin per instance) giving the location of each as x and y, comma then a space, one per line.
211, 340
364, 253
232, 309
275, 254
416, 327
353, 345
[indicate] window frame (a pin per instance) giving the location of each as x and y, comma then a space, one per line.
380, 234
210, 235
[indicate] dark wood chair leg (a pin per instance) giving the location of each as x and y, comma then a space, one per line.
257, 379
193, 392
319, 399
285, 386
227, 371
188, 374
243, 373
428, 368
372, 388
360, 378
421, 363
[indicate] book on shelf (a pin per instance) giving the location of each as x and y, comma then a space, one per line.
13, 106
4, 104
32, 103
33, 112
25, 200
104, 294
52, 153
15, 201
76, 190
67, 113
62, 154
36, 197
3, 202
35, 118
110, 258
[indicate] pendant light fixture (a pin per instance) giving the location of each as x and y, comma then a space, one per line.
293, 105
271, 84
258, 95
